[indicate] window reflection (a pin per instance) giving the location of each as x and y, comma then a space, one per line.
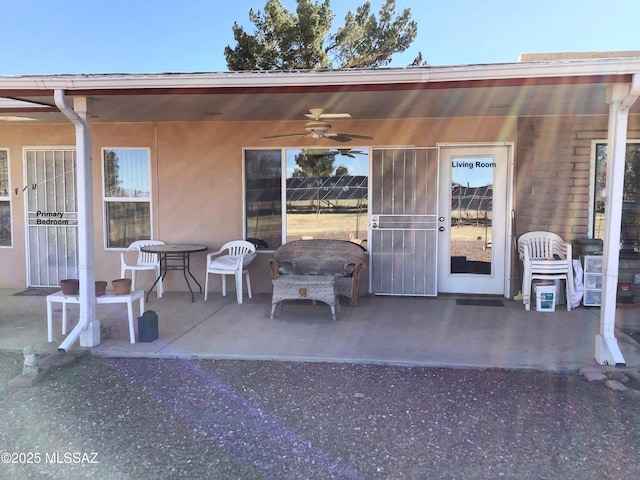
5, 205
471, 214
127, 196
327, 194
630, 228
126, 173
263, 197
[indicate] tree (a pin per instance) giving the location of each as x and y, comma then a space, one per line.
367, 42
313, 165
342, 171
112, 182
302, 40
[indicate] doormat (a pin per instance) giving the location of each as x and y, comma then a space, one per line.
479, 302
37, 292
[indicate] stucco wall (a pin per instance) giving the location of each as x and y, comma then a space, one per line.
14, 138
196, 171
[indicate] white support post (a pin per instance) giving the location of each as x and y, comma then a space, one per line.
88, 327
619, 100
90, 336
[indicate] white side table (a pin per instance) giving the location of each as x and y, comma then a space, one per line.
109, 297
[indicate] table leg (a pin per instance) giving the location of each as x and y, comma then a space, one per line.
132, 333
186, 269
190, 274
157, 280
64, 318
49, 321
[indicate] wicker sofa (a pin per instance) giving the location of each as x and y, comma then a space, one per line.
343, 259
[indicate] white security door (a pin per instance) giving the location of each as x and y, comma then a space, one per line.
52, 216
403, 225
473, 219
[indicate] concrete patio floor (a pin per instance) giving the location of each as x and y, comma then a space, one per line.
382, 330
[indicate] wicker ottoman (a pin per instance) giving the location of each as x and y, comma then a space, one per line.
305, 287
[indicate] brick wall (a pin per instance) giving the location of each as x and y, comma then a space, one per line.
553, 161
552, 175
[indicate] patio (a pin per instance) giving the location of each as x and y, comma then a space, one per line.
383, 330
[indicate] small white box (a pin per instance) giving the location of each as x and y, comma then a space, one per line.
545, 297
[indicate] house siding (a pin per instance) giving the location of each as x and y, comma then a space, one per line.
553, 172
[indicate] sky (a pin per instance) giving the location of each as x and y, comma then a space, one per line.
136, 36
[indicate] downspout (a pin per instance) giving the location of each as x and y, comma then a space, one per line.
88, 328
620, 99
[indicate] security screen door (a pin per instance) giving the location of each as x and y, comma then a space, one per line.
403, 222
52, 216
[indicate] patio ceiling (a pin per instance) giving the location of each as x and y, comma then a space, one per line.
497, 90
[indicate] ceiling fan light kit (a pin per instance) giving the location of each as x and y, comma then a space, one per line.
317, 128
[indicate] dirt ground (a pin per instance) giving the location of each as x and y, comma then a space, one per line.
117, 418
471, 241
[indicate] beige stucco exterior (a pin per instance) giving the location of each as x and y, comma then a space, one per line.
197, 183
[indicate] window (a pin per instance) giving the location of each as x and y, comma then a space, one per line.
5, 203
127, 196
630, 234
263, 197
325, 194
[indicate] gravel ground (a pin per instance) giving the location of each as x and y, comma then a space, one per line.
107, 418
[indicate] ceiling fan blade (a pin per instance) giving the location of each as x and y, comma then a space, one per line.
355, 135
321, 153
335, 115
318, 113
338, 137
287, 135
347, 152
314, 113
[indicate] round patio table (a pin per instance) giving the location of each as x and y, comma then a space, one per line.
175, 256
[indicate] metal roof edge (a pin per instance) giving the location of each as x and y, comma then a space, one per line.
428, 74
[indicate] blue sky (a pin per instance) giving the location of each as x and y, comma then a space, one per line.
131, 36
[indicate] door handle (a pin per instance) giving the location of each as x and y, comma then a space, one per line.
441, 229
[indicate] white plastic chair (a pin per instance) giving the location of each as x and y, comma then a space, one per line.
240, 255
145, 261
545, 256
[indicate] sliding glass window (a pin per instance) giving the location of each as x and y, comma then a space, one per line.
324, 193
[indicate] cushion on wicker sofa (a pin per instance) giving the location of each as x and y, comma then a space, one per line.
343, 259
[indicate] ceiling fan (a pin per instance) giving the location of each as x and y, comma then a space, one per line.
347, 152
318, 128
